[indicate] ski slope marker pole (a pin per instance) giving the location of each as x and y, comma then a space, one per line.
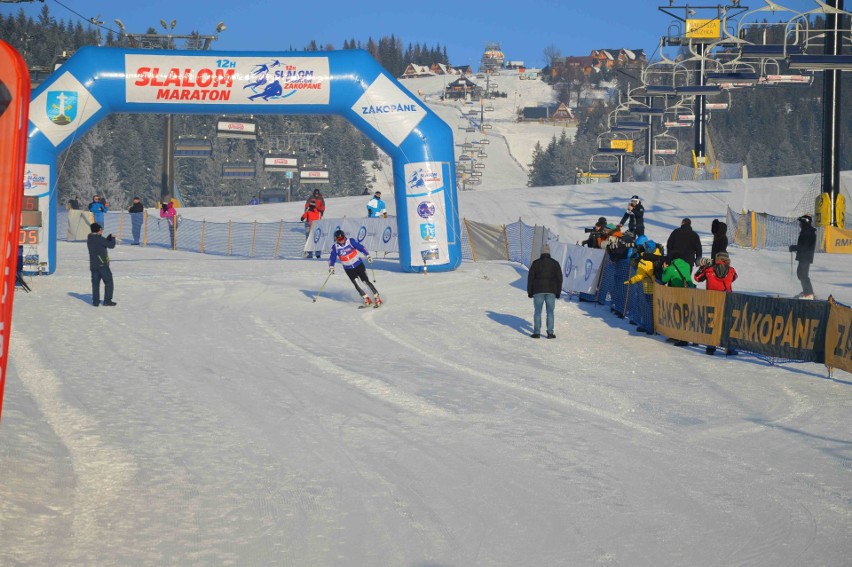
323, 287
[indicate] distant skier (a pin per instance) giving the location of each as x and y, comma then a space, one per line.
804, 249
346, 250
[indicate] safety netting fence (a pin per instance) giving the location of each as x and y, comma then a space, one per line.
778, 330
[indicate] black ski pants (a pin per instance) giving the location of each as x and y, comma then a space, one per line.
360, 272
105, 274
803, 273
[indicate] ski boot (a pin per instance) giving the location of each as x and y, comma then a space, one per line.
367, 301
378, 302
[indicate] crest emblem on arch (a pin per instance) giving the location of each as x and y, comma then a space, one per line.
62, 107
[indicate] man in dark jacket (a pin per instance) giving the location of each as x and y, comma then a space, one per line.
99, 264
634, 216
544, 285
685, 244
720, 238
804, 249
137, 216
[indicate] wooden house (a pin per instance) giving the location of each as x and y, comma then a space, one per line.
461, 88
414, 70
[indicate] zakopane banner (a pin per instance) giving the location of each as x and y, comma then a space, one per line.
374, 234
776, 327
582, 268
689, 314
14, 107
838, 338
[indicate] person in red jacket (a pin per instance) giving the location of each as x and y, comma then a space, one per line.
319, 202
310, 215
720, 276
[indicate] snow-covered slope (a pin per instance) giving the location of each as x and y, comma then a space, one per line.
218, 416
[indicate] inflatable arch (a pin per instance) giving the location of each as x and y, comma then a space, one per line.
98, 81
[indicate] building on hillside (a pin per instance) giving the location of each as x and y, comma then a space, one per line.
441, 69
492, 58
515, 64
610, 58
414, 70
461, 88
525, 74
566, 68
463, 69
550, 113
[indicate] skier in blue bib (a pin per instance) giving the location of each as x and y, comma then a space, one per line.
347, 251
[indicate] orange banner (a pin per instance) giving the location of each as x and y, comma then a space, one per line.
14, 108
838, 240
838, 338
687, 314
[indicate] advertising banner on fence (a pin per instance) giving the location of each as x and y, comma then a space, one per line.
838, 338
688, 314
838, 240
582, 268
777, 327
374, 234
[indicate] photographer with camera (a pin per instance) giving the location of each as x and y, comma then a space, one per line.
634, 216
99, 264
597, 234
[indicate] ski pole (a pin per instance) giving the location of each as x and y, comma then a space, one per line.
791, 273
323, 287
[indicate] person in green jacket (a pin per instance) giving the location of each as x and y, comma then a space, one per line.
677, 273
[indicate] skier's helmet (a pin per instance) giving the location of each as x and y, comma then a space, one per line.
339, 235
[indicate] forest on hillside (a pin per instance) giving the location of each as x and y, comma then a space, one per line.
121, 157
774, 131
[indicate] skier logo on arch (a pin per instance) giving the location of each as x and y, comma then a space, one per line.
423, 179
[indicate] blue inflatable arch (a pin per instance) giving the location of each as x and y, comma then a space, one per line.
98, 81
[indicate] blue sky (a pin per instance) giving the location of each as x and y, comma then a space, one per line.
524, 29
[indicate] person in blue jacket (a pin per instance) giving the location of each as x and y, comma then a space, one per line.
98, 207
347, 251
376, 207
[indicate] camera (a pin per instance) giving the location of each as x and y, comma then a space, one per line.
588, 230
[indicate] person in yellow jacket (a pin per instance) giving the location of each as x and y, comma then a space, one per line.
645, 267
646, 256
